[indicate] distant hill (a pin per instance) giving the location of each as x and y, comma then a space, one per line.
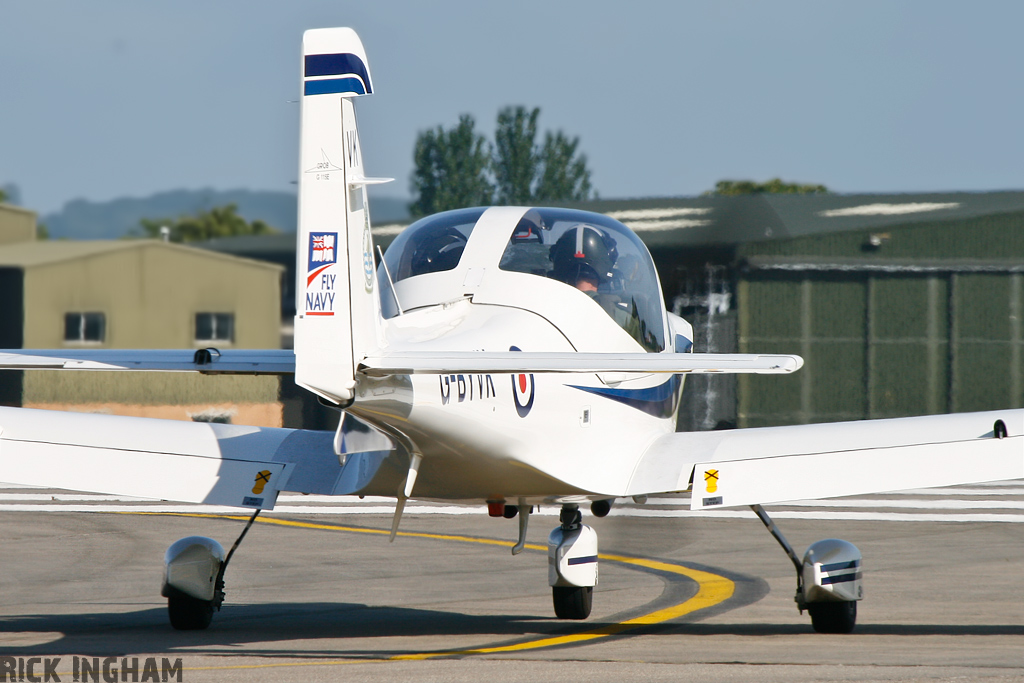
85, 220
12, 192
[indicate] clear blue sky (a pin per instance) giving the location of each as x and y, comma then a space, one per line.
104, 99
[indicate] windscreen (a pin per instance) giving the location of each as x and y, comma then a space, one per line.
432, 244
598, 256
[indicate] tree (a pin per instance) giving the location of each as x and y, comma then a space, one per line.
729, 188
515, 156
525, 173
3, 196
563, 173
451, 169
222, 221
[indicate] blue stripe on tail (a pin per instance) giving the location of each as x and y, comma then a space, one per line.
332, 86
343, 64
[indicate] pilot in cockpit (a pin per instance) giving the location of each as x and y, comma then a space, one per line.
584, 257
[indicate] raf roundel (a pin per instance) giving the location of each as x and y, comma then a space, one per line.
522, 390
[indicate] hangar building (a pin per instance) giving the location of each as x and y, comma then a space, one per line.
136, 294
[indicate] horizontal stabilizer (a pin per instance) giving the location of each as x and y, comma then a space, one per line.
208, 361
440, 363
778, 464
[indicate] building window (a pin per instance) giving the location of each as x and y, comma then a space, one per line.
215, 327
85, 327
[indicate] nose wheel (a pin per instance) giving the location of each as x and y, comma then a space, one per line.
572, 565
572, 602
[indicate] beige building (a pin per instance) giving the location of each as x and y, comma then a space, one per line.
136, 294
16, 224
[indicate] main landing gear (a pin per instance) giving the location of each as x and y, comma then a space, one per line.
828, 579
194, 579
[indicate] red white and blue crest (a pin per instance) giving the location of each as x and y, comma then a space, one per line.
323, 251
320, 281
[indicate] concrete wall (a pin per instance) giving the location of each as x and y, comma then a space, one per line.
166, 395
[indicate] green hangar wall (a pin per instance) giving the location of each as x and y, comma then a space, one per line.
911, 319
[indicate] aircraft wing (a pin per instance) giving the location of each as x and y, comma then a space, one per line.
777, 464
282, 362
441, 363
194, 462
208, 361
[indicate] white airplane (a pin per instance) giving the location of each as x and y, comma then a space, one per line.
513, 356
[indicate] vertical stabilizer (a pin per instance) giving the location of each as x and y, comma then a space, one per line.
337, 319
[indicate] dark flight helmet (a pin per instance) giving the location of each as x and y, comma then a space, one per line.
583, 251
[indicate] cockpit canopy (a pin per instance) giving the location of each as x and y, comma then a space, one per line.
591, 252
432, 244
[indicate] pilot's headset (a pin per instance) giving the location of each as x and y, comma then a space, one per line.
583, 251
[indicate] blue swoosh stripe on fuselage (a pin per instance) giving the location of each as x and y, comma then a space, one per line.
341, 64
659, 401
332, 86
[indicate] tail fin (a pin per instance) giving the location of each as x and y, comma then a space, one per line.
337, 318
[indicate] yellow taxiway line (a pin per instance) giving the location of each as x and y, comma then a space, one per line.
712, 590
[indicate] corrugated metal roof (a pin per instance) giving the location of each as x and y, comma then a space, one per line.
755, 218
251, 244
41, 253
700, 221
11, 208
865, 265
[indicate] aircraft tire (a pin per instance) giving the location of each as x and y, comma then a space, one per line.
833, 617
188, 613
572, 602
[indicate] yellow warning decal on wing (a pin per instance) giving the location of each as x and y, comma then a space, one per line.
711, 478
262, 479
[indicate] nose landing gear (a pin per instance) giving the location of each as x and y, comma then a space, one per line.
572, 565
